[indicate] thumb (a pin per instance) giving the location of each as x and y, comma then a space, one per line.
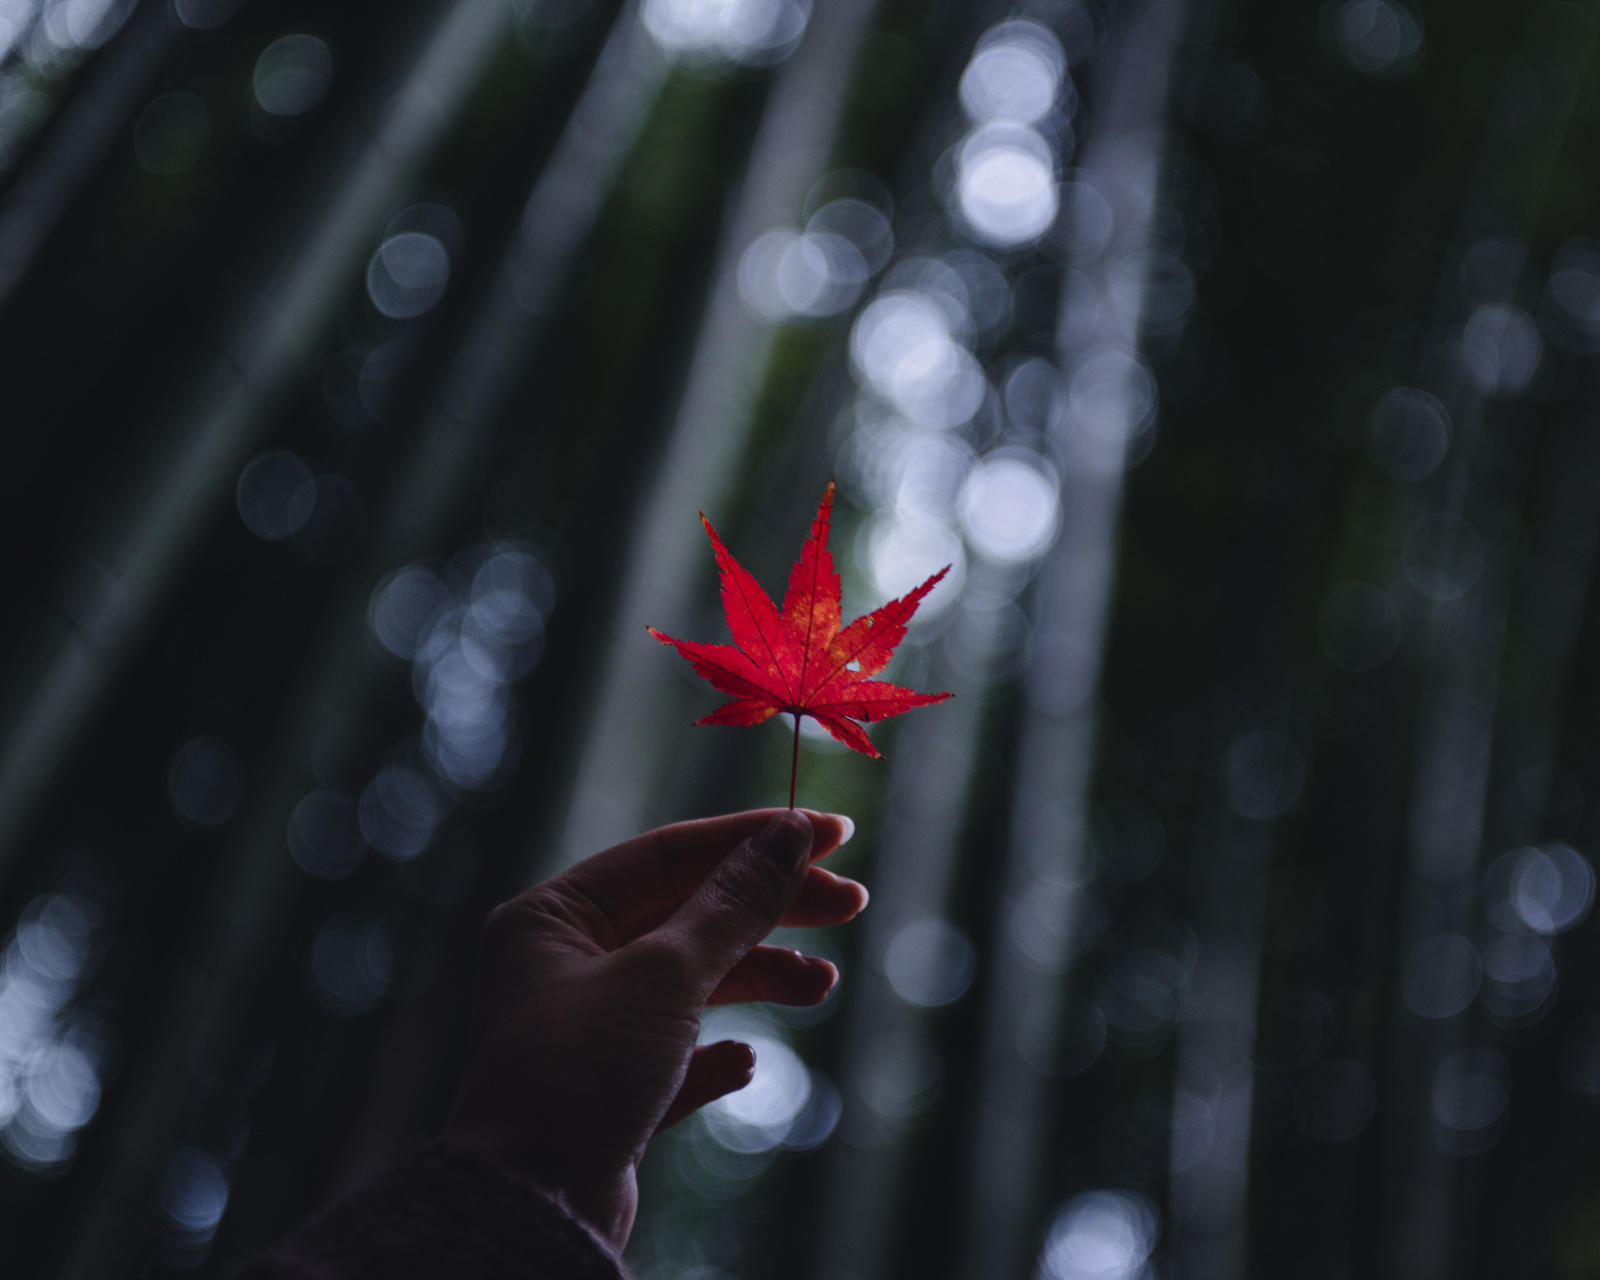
744, 897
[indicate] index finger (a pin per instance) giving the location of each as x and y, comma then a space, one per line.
640, 882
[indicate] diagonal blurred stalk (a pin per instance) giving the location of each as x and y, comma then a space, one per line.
559, 216
267, 346
460, 423
445, 464
1216, 1039
615, 764
1046, 846
250, 908
77, 140
1455, 735
1564, 540
886, 1039
1456, 718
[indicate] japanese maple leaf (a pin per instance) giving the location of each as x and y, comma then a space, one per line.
800, 660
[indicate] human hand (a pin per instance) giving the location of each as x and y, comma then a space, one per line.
595, 981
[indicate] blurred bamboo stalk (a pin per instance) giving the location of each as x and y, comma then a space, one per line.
214, 437
266, 347
1046, 845
78, 139
1456, 720
559, 215
342, 677
1216, 1043
446, 461
887, 1040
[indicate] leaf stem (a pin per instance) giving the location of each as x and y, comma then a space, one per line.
794, 760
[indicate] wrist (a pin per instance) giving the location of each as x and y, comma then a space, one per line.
603, 1200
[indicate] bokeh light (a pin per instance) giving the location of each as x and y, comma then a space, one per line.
1010, 507
1521, 973
1471, 1094
205, 782
1375, 37
1571, 307
756, 32
399, 812
324, 835
1551, 889
1410, 433
205, 15
1100, 1235
293, 74
275, 495
401, 608
1110, 409
83, 24
194, 1194
812, 273
904, 346
1016, 74
407, 275
50, 1056
1502, 349
1006, 185
898, 549
352, 961
930, 962
1442, 976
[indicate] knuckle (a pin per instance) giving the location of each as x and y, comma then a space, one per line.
663, 963
554, 907
508, 927
500, 925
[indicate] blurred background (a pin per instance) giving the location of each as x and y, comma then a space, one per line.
362, 368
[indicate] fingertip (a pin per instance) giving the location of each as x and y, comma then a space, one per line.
715, 1070
733, 1053
848, 888
833, 831
826, 971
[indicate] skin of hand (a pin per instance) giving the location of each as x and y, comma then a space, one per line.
594, 983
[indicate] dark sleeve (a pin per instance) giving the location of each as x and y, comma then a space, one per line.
443, 1212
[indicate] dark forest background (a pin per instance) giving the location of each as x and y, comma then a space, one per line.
362, 368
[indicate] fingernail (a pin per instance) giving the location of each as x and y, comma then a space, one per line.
786, 840
819, 965
847, 824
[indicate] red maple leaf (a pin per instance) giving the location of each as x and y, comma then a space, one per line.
800, 660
